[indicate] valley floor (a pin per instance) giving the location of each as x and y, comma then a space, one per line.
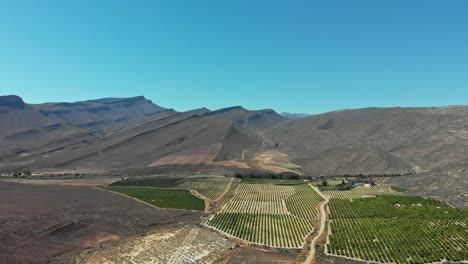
245, 221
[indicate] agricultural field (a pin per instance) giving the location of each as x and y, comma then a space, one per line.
397, 229
210, 186
269, 214
160, 181
335, 181
163, 198
301, 202
272, 181
361, 192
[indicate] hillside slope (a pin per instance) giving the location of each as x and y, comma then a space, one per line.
101, 113
16, 116
376, 140
149, 142
88, 136
447, 184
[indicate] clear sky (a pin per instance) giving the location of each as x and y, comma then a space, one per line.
296, 56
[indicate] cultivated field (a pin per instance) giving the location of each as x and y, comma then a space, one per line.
163, 198
210, 186
396, 229
361, 192
272, 181
268, 214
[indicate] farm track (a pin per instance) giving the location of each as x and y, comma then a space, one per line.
225, 191
265, 140
207, 201
323, 218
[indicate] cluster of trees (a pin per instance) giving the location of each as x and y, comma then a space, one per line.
257, 173
22, 174
359, 175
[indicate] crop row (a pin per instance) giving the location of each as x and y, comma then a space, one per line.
304, 202
284, 231
399, 240
398, 229
260, 199
211, 187
389, 206
272, 215
164, 198
361, 192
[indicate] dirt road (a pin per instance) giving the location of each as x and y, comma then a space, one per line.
323, 218
265, 140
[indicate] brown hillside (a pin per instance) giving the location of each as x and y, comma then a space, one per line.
376, 140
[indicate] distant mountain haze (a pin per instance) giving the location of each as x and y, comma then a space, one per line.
294, 115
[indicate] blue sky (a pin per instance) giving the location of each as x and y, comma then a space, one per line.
296, 56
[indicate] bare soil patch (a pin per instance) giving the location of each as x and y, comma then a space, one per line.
236, 164
273, 160
38, 222
253, 255
175, 244
204, 154
65, 182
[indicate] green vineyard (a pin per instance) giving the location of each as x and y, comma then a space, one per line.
301, 202
210, 186
164, 198
361, 192
275, 230
268, 214
398, 229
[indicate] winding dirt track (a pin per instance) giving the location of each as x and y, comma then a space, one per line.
323, 218
265, 140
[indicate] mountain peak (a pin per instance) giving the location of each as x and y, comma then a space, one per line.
12, 101
227, 109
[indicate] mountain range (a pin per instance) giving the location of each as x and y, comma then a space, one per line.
134, 132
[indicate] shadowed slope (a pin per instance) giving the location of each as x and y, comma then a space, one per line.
102, 113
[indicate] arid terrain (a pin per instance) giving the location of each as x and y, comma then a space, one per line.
100, 134
38, 222
123, 180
